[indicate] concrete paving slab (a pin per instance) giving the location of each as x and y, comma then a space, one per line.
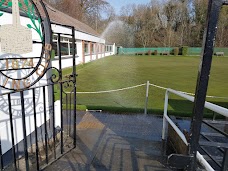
115, 142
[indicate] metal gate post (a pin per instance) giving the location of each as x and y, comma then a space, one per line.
74, 81
61, 91
214, 7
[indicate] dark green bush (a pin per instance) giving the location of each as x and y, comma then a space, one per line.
172, 52
184, 50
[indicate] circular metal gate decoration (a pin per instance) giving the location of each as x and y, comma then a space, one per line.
25, 43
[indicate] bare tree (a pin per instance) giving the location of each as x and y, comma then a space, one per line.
222, 35
158, 23
150, 24
92, 12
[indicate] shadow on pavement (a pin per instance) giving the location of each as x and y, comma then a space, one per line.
115, 142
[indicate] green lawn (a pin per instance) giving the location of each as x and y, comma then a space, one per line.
179, 73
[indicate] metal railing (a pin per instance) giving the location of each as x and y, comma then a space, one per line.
166, 119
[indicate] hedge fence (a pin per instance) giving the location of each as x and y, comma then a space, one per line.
185, 50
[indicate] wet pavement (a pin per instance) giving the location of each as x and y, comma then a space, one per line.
114, 142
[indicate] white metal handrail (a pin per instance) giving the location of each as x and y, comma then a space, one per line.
218, 109
166, 118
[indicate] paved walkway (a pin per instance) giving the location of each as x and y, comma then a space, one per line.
114, 142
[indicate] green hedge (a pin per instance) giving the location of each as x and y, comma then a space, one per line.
184, 50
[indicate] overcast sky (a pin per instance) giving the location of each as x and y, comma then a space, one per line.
117, 4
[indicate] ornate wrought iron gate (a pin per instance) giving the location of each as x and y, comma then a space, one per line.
39, 107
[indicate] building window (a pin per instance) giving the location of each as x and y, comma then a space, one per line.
66, 45
65, 48
93, 48
55, 48
86, 48
108, 48
55, 38
54, 45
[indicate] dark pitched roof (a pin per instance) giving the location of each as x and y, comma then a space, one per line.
61, 18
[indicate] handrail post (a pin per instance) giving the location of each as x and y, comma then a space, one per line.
164, 143
147, 95
165, 114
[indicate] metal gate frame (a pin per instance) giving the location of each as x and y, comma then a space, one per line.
50, 131
214, 7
